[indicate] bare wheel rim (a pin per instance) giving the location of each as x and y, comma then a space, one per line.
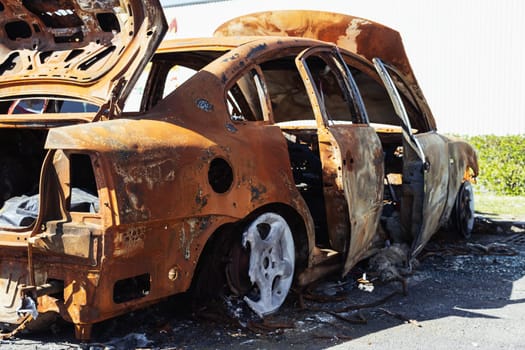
272, 262
465, 209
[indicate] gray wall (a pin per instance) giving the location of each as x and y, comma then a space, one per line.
468, 55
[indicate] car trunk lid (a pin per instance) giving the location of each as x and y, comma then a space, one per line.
90, 51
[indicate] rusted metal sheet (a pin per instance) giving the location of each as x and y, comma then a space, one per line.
353, 175
162, 204
131, 210
363, 174
77, 48
360, 36
429, 184
13, 274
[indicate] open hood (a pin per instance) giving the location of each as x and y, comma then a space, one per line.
79, 49
360, 36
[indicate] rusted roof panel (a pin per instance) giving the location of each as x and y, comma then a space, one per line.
360, 36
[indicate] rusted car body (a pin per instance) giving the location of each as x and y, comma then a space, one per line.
249, 163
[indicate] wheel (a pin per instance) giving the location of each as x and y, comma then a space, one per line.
271, 264
463, 214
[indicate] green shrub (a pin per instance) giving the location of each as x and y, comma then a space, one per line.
501, 163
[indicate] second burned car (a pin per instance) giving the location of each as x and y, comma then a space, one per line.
261, 157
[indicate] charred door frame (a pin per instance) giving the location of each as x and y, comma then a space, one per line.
352, 161
425, 172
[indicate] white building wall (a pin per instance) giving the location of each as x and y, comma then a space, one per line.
468, 55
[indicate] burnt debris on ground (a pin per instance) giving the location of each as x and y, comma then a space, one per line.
325, 313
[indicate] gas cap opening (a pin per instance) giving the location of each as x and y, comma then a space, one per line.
220, 175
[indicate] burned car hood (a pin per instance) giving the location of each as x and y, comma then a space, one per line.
360, 36
78, 49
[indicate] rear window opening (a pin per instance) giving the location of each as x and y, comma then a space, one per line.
45, 105
164, 74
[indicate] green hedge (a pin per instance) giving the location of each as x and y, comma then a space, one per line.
501, 163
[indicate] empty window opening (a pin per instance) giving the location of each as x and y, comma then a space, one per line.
331, 90
176, 76
131, 288
53, 14
286, 90
84, 195
18, 30
45, 105
29, 106
73, 54
108, 22
246, 98
89, 63
163, 75
375, 97
67, 106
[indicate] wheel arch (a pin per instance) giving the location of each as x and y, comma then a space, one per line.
209, 274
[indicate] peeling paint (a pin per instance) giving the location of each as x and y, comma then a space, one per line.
230, 58
231, 128
256, 50
187, 235
203, 104
257, 192
201, 200
130, 241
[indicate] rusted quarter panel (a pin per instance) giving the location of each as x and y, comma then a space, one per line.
449, 164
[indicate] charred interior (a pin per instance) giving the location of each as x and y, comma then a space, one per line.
292, 112
84, 196
21, 153
303, 148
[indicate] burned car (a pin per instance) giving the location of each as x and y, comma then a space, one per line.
272, 153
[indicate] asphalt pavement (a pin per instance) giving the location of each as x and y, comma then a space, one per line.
462, 295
